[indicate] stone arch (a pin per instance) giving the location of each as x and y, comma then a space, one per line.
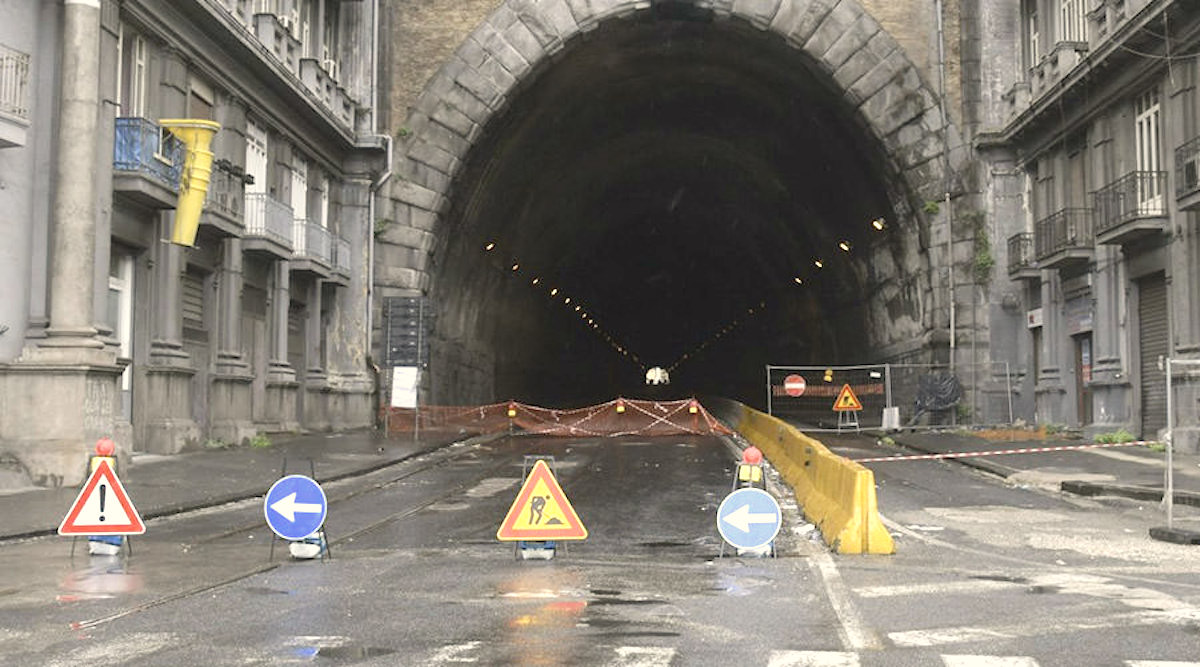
506, 52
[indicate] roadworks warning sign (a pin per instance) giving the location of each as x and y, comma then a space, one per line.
846, 400
541, 511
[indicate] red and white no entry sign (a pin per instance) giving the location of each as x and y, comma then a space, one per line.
793, 385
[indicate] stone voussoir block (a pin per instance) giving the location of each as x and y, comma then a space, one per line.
416, 195
796, 20
836, 23
758, 13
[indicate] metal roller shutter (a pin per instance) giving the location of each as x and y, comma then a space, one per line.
1154, 338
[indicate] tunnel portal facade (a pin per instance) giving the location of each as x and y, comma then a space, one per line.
585, 190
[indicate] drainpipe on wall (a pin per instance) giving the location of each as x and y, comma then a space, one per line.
946, 155
376, 185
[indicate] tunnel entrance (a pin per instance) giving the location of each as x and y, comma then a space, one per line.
670, 191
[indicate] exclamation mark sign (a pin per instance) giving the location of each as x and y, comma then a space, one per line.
103, 490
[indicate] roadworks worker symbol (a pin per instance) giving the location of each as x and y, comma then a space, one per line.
846, 400
103, 507
541, 511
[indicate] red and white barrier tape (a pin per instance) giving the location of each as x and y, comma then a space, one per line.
998, 452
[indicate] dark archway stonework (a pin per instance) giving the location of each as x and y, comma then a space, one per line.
808, 71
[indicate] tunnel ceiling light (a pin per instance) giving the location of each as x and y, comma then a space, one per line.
818, 263
515, 266
554, 291
578, 308
489, 247
844, 245
537, 280
798, 280
567, 300
879, 224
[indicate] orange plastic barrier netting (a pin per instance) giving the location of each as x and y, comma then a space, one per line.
617, 417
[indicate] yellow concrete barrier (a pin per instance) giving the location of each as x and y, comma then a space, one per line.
196, 135
836, 494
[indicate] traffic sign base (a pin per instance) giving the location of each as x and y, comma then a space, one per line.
317, 544
848, 419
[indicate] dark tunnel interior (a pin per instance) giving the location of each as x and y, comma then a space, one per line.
677, 180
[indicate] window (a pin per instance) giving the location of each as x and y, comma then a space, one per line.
1072, 21
1033, 51
324, 202
1146, 108
133, 74
256, 158
200, 99
300, 191
120, 318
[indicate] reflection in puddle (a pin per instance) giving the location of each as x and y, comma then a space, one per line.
105, 577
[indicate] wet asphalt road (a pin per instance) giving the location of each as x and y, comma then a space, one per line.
983, 570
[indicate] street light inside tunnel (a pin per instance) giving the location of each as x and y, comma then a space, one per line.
844, 245
879, 224
515, 266
489, 247
818, 263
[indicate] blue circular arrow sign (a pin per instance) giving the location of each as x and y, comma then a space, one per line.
749, 518
295, 507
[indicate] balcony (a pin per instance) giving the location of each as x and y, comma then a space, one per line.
147, 161
312, 248
1187, 175
1065, 240
268, 226
1131, 207
341, 262
225, 200
1021, 262
14, 97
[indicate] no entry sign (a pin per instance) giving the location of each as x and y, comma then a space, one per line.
793, 385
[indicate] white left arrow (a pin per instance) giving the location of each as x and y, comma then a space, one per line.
288, 507
742, 517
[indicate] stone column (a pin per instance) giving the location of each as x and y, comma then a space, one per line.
282, 395
1050, 390
229, 296
73, 215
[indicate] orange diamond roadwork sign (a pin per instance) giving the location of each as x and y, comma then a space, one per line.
541, 511
846, 400
103, 507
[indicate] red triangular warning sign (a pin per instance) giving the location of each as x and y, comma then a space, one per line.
846, 400
102, 508
541, 511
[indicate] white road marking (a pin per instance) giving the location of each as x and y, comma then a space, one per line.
988, 661
940, 636
643, 656
121, 650
948, 588
1160, 663
455, 653
813, 659
854, 632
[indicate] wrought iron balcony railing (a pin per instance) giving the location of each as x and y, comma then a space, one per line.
14, 83
1138, 194
312, 241
1187, 168
268, 218
1020, 252
141, 146
1068, 229
341, 255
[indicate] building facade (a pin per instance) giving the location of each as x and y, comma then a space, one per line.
1093, 142
260, 325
